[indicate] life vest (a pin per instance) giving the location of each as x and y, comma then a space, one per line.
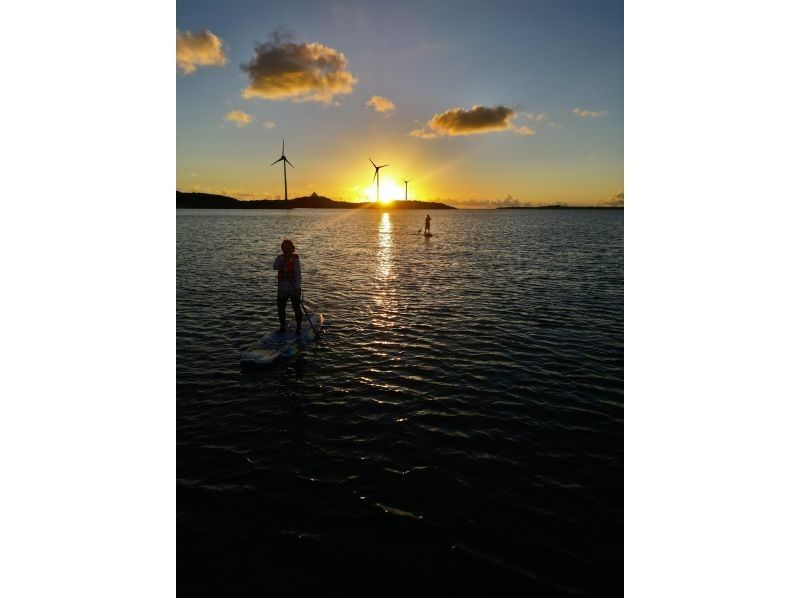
286, 269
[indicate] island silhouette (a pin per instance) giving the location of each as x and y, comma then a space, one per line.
217, 202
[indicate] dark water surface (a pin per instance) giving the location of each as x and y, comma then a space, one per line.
459, 427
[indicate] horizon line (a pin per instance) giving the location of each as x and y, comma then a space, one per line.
495, 203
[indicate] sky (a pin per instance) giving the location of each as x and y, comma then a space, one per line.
479, 104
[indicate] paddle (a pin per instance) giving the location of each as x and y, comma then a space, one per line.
302, 305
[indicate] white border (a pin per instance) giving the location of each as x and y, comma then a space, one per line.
88, 244
711, 306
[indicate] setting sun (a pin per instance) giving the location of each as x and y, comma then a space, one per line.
390, 190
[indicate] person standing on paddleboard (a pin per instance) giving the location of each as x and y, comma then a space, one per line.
289, 279
427, 223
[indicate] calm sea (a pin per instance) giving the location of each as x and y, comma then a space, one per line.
459, 427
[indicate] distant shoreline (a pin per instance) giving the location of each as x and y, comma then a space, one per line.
556, 207
209, 201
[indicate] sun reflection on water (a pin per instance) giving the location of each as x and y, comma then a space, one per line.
385, 247
384, 293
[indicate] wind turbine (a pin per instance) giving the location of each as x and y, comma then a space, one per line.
285, 160
377, 179
407, 182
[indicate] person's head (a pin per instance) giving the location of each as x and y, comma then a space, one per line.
287, 246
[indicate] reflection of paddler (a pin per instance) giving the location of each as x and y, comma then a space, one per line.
428, 223
289, 278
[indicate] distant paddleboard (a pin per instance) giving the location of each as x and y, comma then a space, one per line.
428, 234
277, 347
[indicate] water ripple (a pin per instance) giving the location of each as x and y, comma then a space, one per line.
460, 420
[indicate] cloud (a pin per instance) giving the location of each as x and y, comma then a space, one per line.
508, 202
301, 72
539, 118
381, 104
588, 113
617, 200
269, 124
423, 134
240, 118
542, 119
475, 120
198, 49
478, 119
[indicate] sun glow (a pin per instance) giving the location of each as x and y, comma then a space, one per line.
390, 190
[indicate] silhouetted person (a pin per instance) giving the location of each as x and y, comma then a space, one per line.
289, 279
428, 223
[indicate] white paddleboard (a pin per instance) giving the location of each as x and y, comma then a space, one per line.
275, 347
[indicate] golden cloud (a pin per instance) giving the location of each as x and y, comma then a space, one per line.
478, 119
198, 49
302, 72
588, 113
381, 104
240, 118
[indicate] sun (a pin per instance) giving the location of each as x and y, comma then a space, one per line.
390, 190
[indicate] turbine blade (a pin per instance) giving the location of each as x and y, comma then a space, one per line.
373, 163
275, 162
383, 166
289, 163
374, 175
283, 146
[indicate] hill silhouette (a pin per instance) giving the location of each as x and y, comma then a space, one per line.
211, 201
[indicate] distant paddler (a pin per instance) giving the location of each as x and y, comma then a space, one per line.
289, 280
427, 224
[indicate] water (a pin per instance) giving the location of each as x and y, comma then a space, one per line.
459, 427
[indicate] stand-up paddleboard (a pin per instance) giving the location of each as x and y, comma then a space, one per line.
276, 347
428, 234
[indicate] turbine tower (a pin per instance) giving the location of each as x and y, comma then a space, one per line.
377, 179
285, 160
407, 182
